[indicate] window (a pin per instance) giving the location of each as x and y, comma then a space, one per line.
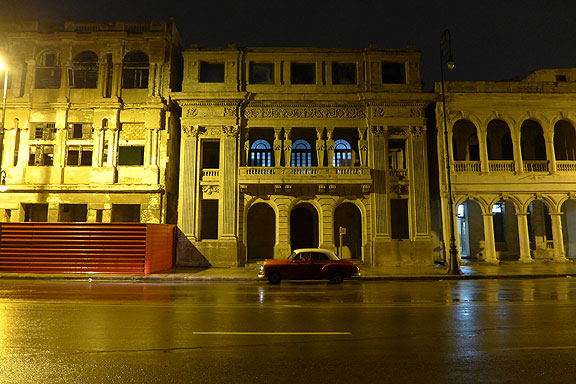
393, 73
396, 158
209, 219
79, 155
301, 154
560, 78
35, 212
301, 73
260, 154
261, 73
80, 131
399, 217
498, 208
135, 71
84, 71
343, 73
211, 72
342, 154
73, 213
210, 154
125, 213
131, 155
43, 131
48, 71
41, 155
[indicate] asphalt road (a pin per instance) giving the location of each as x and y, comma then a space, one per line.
488, 331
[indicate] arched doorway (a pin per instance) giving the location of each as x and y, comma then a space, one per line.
261, 232
540, 230
304, 227
505, 223
569, 228
470, 229
348, 215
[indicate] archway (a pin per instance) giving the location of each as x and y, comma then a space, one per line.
261, 232
499, 141
569, 228
506, 238
347, 215
532, 141
564, 141
470, 229
304, 227
465, 141
540, 230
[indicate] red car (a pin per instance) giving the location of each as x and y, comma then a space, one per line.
308, 264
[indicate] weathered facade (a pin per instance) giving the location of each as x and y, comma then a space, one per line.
88, 125
513, 161
282, 147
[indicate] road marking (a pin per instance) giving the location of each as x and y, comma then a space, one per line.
273, 333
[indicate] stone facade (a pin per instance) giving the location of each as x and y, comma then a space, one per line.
88, 124
283, 146
513, 161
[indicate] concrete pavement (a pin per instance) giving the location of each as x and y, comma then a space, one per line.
536, 269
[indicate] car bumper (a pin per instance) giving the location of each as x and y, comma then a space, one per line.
261, 275
356, 275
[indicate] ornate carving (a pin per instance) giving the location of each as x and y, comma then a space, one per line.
397, 131
417, 131
415, 112
379, 112
304, 113
229, 112
379, 131
230, 131
210, 189
190, 131
191, 112
399, 189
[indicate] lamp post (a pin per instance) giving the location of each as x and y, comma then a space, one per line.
2, 172
446, 57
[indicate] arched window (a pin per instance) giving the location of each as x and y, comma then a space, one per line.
342, 154
135, 71
301, 154
48, 71
85, 70
260, 154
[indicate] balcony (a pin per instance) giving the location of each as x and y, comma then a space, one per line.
467, 166
304, 175
538, 166
501, 166
565, 165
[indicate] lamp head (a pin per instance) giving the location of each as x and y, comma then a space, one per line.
450, 62
3, 186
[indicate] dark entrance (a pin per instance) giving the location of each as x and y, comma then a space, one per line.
348, 215
304, 227
261, 234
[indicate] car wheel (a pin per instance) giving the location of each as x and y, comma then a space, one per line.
336, 278
275, 278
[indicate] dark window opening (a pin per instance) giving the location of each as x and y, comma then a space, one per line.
125, 213
73, 213
136, 70
41, 155
35, 213
131, 155
301, 73
261, 73
396, 154
44, 131
85, 70
343, 73
79, 156
209, 219
399, 215
210, 155
211, 72
80, 131
393, 73
48, 72
561, 78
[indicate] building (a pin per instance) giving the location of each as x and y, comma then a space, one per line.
88, 128
284, 148
513, 161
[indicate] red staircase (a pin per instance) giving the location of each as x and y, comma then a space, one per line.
86, 247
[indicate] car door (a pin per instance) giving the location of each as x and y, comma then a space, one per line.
319, 260
300, 268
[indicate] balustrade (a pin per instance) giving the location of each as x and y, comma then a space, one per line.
565, 165
466, 166
536, 166
501, 166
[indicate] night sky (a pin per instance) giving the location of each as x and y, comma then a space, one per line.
491, 40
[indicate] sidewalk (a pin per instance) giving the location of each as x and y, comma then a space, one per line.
470, 271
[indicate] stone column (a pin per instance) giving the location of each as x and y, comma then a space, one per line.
550, 155
320, 146
188, 185
102, 76
228, 187
30, 78
523, 237
559, 252
518, 163
64, 84
113, 147
287, 148
246, 137
489, 242
330, 146
380, 180
277, 145
23, 148
100, 149
419, 185
484, 162
152, 147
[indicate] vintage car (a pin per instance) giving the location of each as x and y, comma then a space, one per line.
308, 264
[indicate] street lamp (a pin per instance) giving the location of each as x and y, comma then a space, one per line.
2, 172
446, 56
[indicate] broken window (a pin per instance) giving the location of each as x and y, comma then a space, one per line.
84, 73
135, 70
343, 73
41, 155
80, 131
211, 72
43, 131
125, 213
48, 71
261, 73
303, 73
131, 155
393, 73
79, 155
261, 154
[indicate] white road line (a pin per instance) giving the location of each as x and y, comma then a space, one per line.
273, 333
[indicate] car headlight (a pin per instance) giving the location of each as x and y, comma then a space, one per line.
261, 268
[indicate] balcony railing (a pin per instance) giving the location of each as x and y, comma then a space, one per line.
466, 166
566, 165
536, 166
210, 174
398, 173
302, 174
501, 166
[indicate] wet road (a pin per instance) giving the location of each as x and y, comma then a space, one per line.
490, 331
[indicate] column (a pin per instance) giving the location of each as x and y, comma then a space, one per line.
523, 237
287, 148
188, 186
113, 147
320, 146
152, 147
380, 185
484, 162
228, 197
518, 164
559, 252
490, 244
100, 149
64, 86
277, 147
550, 154
419, 185
330, 146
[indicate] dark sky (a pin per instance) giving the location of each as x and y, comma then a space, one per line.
491, 40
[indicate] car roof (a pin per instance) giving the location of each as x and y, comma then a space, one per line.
301, 250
